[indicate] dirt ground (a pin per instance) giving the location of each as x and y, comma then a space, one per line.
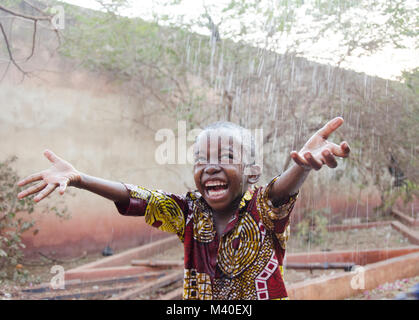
387, 291
39, 271
355, 239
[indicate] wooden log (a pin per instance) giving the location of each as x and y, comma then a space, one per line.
157, 263
88, 293
347, 266
176, 294
147, 287
77, 283
410, 234
105, 273
125, 257
404, 218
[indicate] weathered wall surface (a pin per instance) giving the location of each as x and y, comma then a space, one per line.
94, 125
88, 122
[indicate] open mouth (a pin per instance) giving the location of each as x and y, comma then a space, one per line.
216, 189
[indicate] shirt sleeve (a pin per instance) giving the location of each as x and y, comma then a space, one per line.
161, 210
276, 218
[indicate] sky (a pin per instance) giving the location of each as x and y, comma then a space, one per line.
387, 64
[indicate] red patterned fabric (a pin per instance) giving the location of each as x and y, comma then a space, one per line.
243, 263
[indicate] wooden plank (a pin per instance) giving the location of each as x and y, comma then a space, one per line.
125, 257
162, 282
347, 266
176, 294
88, 293
411, 235
77, 283
405, 218
158, 263
103, 273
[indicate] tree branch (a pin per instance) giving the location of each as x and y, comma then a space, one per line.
12, 59
25, 16
35, 19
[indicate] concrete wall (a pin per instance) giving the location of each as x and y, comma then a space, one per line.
94, 125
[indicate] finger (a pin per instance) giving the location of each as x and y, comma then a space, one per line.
341, 150
345, 148
31, 178
31, 190
329, 159
51, 156
314, 163
297, 158
63, 187
44, 193
329, 127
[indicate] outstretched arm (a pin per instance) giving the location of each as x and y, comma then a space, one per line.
62, 174
315, 153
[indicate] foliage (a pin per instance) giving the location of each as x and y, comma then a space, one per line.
15, 220
362, 27
313, 227
412, 80
407, 192
382, 127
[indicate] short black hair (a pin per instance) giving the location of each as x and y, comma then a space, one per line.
246, 139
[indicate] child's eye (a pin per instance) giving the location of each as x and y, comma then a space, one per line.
227, 156
201, 160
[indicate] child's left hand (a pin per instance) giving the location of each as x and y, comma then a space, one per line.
318, 151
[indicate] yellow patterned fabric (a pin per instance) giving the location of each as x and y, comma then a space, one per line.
162, 211
203, 228
234, 261
271, 214
197, 286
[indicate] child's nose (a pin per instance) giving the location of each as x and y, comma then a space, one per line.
212, 168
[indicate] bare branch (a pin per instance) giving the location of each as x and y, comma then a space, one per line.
35, 19
25, 16
12, 59
35, 8
33, 40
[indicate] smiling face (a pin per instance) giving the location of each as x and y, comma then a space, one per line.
219, 169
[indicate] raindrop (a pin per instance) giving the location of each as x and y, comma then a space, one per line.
260, 67
268, 82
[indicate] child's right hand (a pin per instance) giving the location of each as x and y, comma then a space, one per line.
61, 175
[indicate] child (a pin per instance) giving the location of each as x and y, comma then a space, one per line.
234, 236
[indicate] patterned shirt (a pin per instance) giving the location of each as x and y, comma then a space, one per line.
243, 263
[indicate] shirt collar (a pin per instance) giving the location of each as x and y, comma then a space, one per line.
244, 202
242, 208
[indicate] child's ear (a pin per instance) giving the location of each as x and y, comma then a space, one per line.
253, 173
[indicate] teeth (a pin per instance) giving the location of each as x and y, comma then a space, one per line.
213, 193
215, 183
